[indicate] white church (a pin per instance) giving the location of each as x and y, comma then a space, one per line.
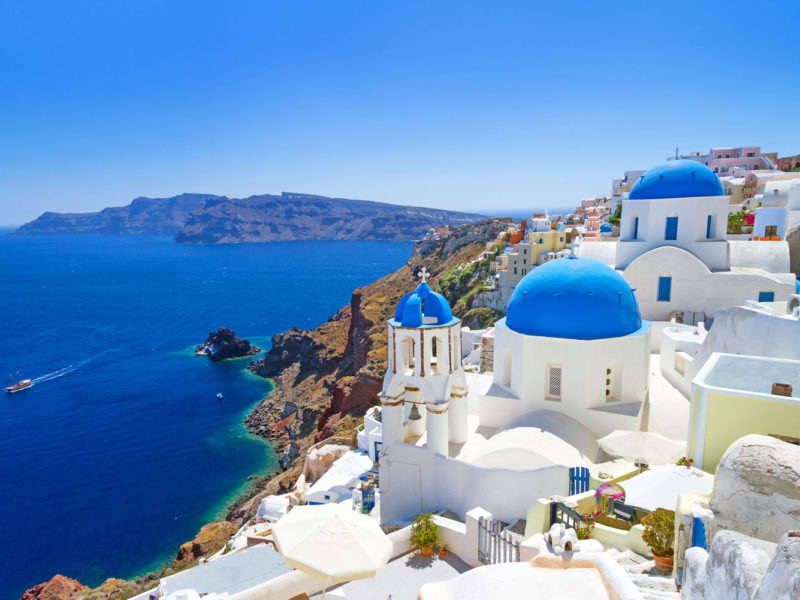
571, 365
673, 247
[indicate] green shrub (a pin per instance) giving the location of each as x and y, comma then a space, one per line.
424, 532
659, 531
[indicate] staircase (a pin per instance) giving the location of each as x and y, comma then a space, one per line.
652, 583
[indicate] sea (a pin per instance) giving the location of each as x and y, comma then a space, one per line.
122, 451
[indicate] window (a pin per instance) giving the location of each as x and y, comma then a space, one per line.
435, 352
755, 167
407, 350
771, 230
751, 154
766, 296
561, 239
635, 235
710, 227
612, 381
525, 251
727, 156
524, 261
664, 288
507, 368
672, 229
553, 389
515, 270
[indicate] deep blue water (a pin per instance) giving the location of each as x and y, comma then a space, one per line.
107, 469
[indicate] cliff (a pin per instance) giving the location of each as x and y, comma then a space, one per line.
270, 218
143, 216
327, 377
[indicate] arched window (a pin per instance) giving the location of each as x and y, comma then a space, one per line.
437, 355
407, 352
507, 368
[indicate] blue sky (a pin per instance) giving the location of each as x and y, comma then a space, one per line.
460, 105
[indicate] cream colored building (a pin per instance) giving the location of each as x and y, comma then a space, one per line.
539, 248
732, 397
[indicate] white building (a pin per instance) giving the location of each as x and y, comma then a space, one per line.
673, 247
573, 342
571, 365
424, 390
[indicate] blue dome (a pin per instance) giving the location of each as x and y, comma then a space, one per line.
605, 228
574, 298
677, 179
423, 301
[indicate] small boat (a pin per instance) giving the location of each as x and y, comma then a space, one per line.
19, 386
219, 396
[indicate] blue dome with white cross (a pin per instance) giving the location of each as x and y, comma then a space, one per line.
422, 307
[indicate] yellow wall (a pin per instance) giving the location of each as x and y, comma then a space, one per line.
551, 241
733, 416
694, 421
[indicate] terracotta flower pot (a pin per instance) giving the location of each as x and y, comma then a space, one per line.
442, 552
426, 550
663, 562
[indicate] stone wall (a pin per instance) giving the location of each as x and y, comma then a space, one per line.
487, 353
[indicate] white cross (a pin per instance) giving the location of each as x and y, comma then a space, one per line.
424, 274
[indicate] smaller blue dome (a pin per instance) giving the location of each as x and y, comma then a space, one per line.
677, 179
606, 228
574, 298
422, 302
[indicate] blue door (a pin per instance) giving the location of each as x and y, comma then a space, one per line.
664, 289
672, 229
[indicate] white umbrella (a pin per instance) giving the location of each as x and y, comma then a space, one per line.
642, 446
332, 543
661, 487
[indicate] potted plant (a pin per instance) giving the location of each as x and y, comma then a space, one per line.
442, 551
424, 534
659, 534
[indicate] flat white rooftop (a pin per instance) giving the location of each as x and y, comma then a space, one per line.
752, 374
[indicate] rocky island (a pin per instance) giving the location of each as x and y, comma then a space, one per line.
210, 219
143, 216
223, 344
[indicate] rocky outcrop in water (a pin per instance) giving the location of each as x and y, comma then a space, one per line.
209, 540
58, 588
223, 343
143, 216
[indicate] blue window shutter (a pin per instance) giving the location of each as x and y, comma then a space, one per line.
664, 289
672, 229
708, 228
766, 296
636, 228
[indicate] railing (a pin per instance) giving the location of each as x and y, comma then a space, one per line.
495, 544
561, 513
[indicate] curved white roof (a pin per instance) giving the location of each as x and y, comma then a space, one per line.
537, 440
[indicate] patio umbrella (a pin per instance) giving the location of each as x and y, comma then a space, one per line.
332, 543
661, 487
642, 446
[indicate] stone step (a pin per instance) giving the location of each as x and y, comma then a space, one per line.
664, 584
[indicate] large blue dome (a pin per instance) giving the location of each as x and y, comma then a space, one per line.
574, 298
677, 179
422, 302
